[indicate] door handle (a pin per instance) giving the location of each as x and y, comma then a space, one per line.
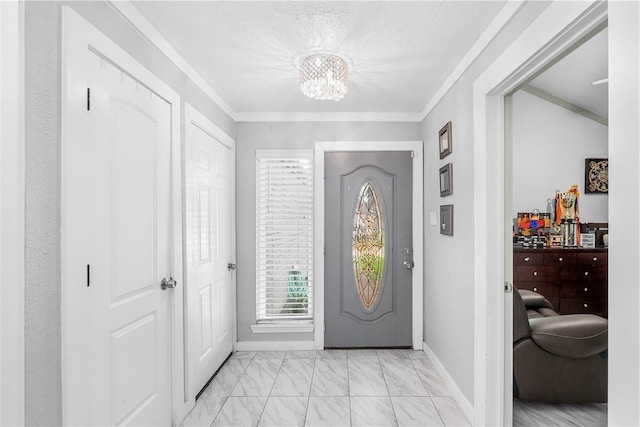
407, 265
231, 266
169, 283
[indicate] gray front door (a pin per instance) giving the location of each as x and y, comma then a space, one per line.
368, 239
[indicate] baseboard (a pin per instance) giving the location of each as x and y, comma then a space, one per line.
274, 345
456, 393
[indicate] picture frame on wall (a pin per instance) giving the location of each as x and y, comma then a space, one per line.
596, 176
445, 141
446, 220
446, 180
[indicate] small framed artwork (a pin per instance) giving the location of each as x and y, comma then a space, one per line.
596, 176
446, 180
444, 136
446, 220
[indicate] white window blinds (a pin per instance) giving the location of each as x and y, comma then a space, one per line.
284, 235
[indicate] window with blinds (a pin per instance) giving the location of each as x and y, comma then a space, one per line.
284, 235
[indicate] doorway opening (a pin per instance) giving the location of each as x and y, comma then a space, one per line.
555, 30
556, 137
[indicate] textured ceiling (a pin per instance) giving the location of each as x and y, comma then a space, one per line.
400, 52
571, 77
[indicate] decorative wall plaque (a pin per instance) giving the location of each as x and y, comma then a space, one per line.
596, 176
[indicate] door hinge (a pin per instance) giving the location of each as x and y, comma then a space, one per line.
324, 327
508, 287
88, 99
413, 155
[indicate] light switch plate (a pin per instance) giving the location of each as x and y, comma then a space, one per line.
433, 218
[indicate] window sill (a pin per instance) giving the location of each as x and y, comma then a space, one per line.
282, 327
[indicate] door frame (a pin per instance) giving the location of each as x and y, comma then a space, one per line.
193, 116
77, 37
559, 26
12, 214
417, 278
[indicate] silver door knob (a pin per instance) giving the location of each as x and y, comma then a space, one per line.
407, 264
168, 283
231, 266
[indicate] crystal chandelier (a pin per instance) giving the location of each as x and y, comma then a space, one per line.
324, 76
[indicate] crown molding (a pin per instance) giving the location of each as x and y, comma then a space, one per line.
328, 117
505, 15
135, 18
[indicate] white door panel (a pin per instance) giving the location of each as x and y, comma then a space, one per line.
117, 248
209, 250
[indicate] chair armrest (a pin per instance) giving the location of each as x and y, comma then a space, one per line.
575, 336
534, 301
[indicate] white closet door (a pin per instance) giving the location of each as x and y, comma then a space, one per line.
209, 182
117, 248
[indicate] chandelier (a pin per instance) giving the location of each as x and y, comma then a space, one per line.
324, 76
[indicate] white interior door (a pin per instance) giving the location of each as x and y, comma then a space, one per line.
117, 247
209, 181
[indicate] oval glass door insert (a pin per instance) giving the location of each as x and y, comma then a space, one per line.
368, 245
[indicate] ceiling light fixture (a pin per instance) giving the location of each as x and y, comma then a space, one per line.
324, 77
601, 81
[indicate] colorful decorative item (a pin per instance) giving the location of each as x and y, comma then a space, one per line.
567, 216
533, 223
567, 204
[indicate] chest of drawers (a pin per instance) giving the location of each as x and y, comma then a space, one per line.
573, 280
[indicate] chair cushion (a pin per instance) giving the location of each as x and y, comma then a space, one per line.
541, 312
573, 335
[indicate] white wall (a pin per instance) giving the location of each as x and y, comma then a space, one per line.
550, 145
449, 261
624, 197
12, 159
252, 136
43, 389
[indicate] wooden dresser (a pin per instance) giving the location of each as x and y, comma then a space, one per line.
573, 280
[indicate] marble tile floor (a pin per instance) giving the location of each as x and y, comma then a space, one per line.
327, 388
534, 414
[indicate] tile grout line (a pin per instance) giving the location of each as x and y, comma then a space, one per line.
313, 374
384, 378
428, 392
346, 353
271, 389
226, 398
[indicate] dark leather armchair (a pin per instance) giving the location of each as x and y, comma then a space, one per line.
558, 358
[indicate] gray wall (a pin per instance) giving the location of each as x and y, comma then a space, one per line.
448, 264
42, 223
43, 388
274, 136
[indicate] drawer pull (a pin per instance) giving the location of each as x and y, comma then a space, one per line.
526, 259
560, 259
586, 305
535, 289
586, 273
595, 258
535, 273
586, 289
